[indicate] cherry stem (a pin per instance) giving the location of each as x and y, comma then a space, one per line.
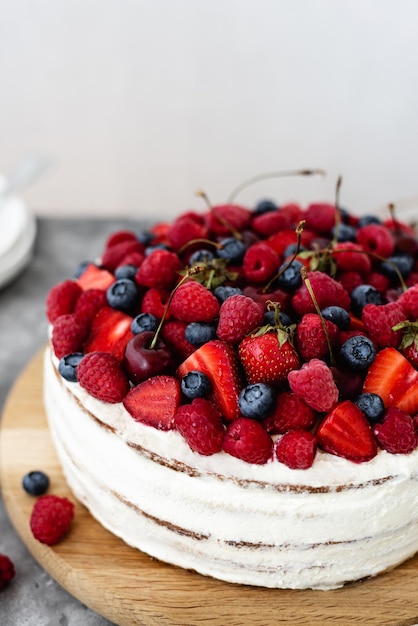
192, 271
280, 174
298, 231
397, 227
304, 273
216, 245
337, 212
202, 194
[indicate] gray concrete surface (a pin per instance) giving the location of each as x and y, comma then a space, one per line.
34, 598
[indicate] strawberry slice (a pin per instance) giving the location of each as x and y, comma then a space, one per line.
95, 277
110, 331
346, 432
394, 379
154, 402
218, 360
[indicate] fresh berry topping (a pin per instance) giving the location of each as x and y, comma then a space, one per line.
290, 277
327, 292
201, 425
120, 236
68, 334
62, 299
345, 432
126, 271
154, 401
67, 366
223, 219
117, 253
142, 359
155, 302
89, 304
95, 277
195, 384
379, 322
268, 357
51, 518
102, 376
238, 316
218, 360
296, 449
337, 315
193, 302
289, 413
226, 291
264, 206
173, 334
35, 483
371, 405
363, 295
246, 439
160, 269
351, 257
198, 333
256, 400
110, 331
409, 302
315, 384
232, 249
358, 352
311, 340
376, 239
185, 229
321, 217
260, 263
123, 295
270, 223
396, 433
144, 321
7, 570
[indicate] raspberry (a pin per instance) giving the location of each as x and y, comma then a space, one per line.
113, 256
293, 212
160, 269
396, 433
132, 258
351, 257
238, 316
51, 518
155, 301
315, 384
311, 339
119, 236
173, 336
192, 302
327, 292
185, 229
224, 216
409, 302
377, 239
62, 299
320, 218
68, 334
201, 425
290, 413
89, 303
268, 224
7, 570
350, 280
260, 263
248, 440
102, 376
296, 449
378, 281
379, 320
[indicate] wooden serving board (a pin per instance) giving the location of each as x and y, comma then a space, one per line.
130, 588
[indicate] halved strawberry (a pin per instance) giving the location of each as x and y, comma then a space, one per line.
268, 357
110, 331
95, 277
218, 360
394, 379
154, 401
346, 432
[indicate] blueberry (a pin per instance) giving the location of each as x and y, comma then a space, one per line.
291, 249
403, 262
368, 219
270, 318
336, 314
291, 278
123, 295
371, 405
198, 333
80, 269
126, 271
362, 295
223, 292
265, 206
35, 483
201, 256
256, 400
232, 249
195, 384
158, 246
67, 366
358, 352
145, 237
345, 232
144, 321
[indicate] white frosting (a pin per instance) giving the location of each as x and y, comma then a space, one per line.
262, 525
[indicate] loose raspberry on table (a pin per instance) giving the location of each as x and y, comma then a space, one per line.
396, 433
62, 299
160, 269
247, 439
102, 376
201, 425
314, 383
51, 518
7, 570
311, 339
68, 333
238, 316
296, 449
290, 413
379, 321
327, 292
193, 302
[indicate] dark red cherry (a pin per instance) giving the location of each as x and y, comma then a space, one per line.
141, 361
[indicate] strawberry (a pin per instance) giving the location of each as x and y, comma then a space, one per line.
62, 299
314, 382
396, 433
201, 425
102, 376
246, 439
296, 449
95, 277
392, 377
51, 518
238, 316
110, 331
268, 356
154, 401
346, 432
218, 360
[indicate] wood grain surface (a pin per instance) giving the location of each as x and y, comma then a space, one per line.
130, 588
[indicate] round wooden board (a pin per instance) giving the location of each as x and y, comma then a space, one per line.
130, 588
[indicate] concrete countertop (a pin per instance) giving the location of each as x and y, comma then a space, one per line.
33, 598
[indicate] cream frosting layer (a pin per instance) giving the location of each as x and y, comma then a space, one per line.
264, 525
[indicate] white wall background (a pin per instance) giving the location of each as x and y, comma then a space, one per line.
140, 102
